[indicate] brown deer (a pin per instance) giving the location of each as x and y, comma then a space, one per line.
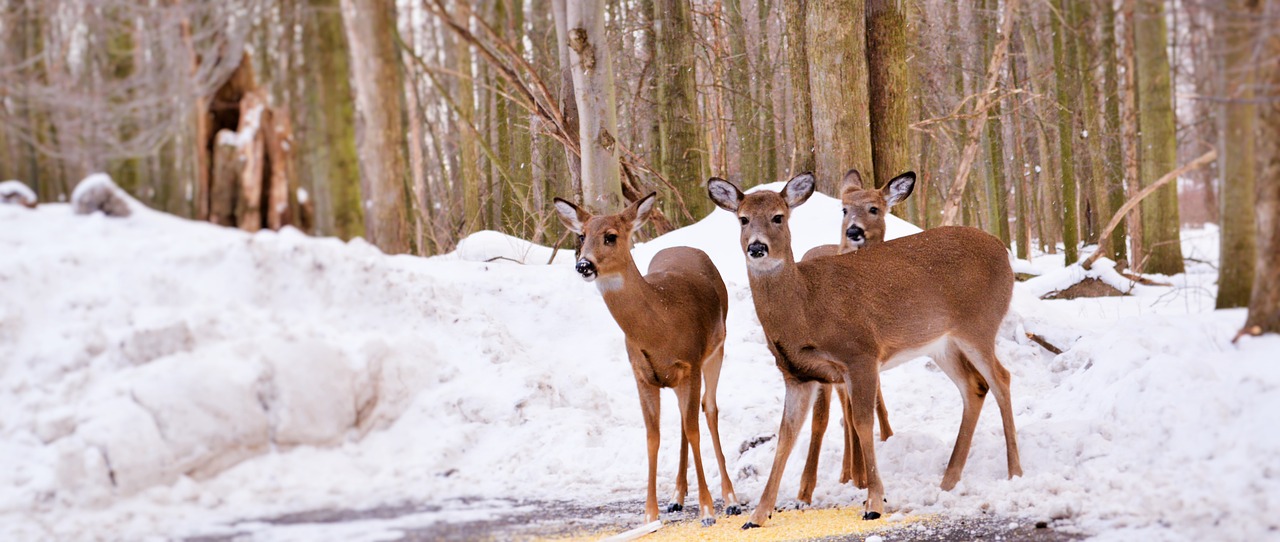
673, 318
863, 225
941, 293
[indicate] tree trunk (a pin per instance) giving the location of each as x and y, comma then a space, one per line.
1090, 126
801, 158
593, 88
1129, 133
889, 87
740, 102
996, 187
768, 138
328, 142
1158, 139
1264, 304
838, 86
568, 95
681, 158
1113, 151
1235, 32
1063, 60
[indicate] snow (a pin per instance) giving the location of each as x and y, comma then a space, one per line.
16, 191
168, 378
252, 122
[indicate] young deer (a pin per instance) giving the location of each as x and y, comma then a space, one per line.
673, 319
863, 225
942, 293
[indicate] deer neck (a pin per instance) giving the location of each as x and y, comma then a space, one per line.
777, 293
632, 301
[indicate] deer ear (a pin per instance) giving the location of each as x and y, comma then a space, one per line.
899, 188
798, 189
852, 181
571, 215
637, 213
724, 194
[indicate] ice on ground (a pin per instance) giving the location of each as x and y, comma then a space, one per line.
168, 378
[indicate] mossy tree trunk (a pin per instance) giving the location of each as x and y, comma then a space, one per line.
1157, 138
1235, 30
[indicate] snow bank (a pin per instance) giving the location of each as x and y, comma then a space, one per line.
170, 378
17, 192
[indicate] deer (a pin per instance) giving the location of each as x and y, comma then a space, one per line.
843, 319
863, 225
673, 319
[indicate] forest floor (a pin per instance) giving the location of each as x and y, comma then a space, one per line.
567, 521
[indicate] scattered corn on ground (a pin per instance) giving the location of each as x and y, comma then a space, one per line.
785, 525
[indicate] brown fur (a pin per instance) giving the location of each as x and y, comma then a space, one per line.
674, 322
845, 318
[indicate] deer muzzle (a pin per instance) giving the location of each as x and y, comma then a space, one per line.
757, 250
855, 234
585, 268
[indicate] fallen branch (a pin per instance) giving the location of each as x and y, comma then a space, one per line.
1043, 343
1137, 198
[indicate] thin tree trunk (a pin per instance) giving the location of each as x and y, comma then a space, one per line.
996, 187
377, 81
838, 86
740, 102
802, 152
681, 160
1264, 304
1158, 137
1129, 133
593, 87
1235, 31
889, 87
768, 135
1062, 60
1113, 150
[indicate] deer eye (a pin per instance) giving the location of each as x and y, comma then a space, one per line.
743, 220
845, 211
777, 219
582, 239
874, 210
610, 238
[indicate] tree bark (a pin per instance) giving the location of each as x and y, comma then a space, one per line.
996, 187
740, 101
1235, 32
1113, 151
838, 87
1264, 304
1063, 62
680, 156
1129, 133
593, 88
889, 86
1158, 139
801, 158
328, 142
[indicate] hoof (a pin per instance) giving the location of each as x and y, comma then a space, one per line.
870, 515
749, 525
707, 522
732, 510
674, 507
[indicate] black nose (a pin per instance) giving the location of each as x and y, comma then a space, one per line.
855, 233
585, 267
757, 249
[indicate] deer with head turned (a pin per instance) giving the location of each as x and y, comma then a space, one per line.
674, 322
863, 225
940, 293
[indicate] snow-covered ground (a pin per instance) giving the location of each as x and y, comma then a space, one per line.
166, 378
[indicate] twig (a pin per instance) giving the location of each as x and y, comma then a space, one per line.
1137, 198
1043, 343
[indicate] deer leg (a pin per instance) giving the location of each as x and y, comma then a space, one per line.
711, 376
649, 408
682, 477
855, 470
687, 395
986, 362
821, 414
973, 390
798, 398
883, 413
862, 384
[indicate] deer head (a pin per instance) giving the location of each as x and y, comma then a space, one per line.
765, 237
865, 209
605, 240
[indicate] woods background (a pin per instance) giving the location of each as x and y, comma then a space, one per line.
416, 122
